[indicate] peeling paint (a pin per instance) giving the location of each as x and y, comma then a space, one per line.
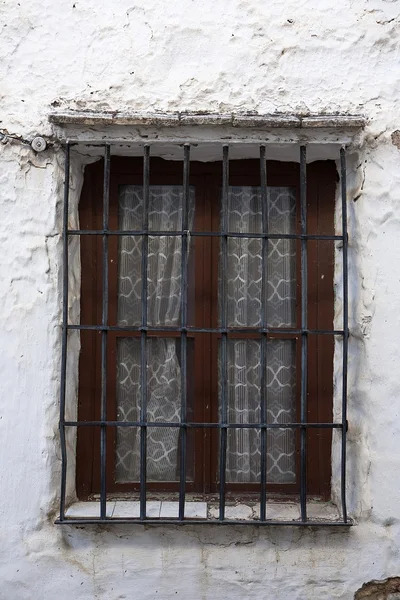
396, 138
389, 589
201, 61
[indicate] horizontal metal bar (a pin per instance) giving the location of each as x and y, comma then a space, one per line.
272, 330
94, 521
204, 425
233, 234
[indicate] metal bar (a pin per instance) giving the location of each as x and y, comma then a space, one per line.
317, 524
104, 333
64, 341
264, 283
143, 336
304, 340
184, 290
269, 236
345, 329
270, 330
203, 425
224, 339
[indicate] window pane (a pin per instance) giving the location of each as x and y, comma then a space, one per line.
243, 402
164, 281
128, 409
164, 255
163, 405
281, 258
281, 408
244, 272
129, 280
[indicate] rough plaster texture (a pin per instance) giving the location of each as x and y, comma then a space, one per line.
227, 56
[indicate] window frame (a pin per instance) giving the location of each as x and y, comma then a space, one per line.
321, 187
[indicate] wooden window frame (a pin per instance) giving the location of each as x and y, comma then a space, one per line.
207, 177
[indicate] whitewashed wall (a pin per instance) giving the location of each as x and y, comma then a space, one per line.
198, 55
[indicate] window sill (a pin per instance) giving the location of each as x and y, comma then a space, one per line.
318, 513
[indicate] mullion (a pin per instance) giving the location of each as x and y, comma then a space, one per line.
143, 335
184, 268
104, 334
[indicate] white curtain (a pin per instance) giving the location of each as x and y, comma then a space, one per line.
244, 303
244, 297
163, 309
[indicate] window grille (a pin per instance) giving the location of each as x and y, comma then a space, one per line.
223, 329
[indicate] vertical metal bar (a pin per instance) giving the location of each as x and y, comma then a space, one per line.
345, 328
64, 335
224, 340
143, 335
263, 396
184, 279
304, 339
104, 321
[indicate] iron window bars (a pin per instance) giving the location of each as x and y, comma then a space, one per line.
264, 330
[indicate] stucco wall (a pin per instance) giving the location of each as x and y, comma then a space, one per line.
226, 56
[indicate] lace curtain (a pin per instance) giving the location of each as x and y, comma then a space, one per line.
163, 309
244, 277
244, 300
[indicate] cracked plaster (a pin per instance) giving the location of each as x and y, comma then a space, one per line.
303, 58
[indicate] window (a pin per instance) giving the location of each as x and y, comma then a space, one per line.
207, 336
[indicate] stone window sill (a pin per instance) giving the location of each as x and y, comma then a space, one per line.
209, 511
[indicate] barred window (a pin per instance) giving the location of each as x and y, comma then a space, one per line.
206, 331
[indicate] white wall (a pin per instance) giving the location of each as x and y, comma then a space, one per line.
202, 55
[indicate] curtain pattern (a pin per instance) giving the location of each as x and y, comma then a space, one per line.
164, 255
163, 404
244, 304
244, 295
163, 309
244, 393
244, 277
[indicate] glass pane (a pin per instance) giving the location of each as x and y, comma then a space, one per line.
244, 271
129, 280
164, 281
163, 405
244, 278
164, 255
127, 453
281, 262
243, 403
281, 408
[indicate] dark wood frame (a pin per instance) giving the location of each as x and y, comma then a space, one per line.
207, 178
